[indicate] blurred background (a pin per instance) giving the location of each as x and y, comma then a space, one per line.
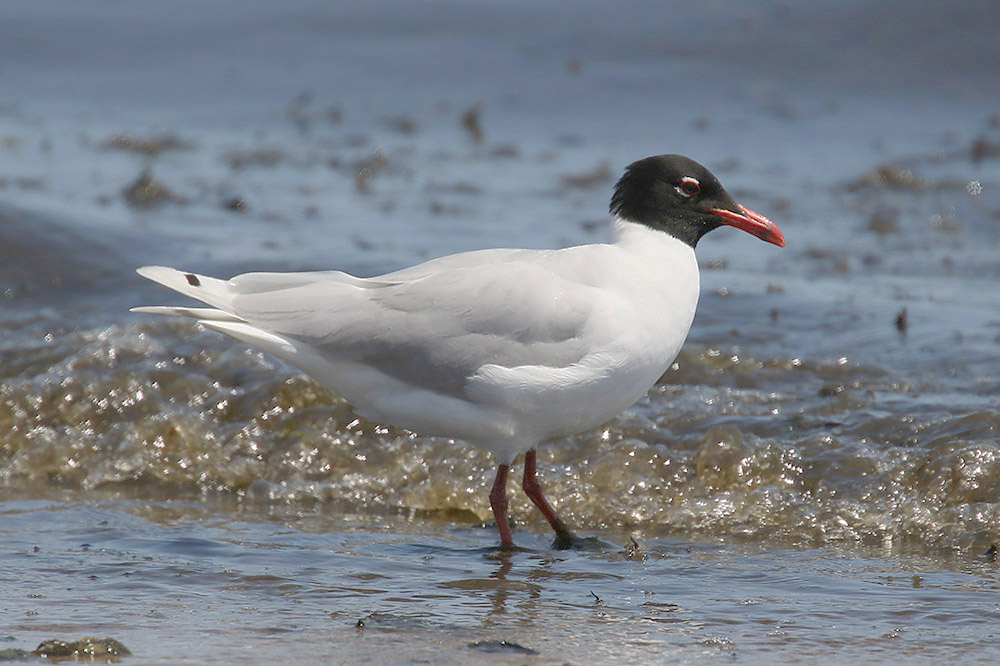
832, 423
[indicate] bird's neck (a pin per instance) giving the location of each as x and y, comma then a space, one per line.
642, 239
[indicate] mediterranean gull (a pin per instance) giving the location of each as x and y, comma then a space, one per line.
502, 348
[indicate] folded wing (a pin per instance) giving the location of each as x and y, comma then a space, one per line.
433, 325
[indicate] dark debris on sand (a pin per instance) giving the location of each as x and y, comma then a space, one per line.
472, 122
146, 192
501, 646
93, 648
151, 146
596, 177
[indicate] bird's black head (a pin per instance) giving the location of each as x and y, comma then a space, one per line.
677, 195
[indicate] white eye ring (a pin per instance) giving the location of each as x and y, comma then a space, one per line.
689, 187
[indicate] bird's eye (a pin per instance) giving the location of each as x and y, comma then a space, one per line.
689, 187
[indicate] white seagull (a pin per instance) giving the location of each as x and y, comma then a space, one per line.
501, 348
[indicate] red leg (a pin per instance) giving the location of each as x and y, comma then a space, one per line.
498, 502
534, 492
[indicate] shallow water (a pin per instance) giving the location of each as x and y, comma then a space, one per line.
200, 581
816, 480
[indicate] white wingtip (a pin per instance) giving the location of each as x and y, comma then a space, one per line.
206, 289
163, 274
150, 271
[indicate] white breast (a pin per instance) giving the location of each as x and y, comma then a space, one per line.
647, 286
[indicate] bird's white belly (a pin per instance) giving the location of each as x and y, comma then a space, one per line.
510, 410
541, 403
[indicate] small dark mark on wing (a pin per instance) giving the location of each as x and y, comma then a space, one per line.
193, 280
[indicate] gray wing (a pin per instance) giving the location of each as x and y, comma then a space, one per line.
435, 324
